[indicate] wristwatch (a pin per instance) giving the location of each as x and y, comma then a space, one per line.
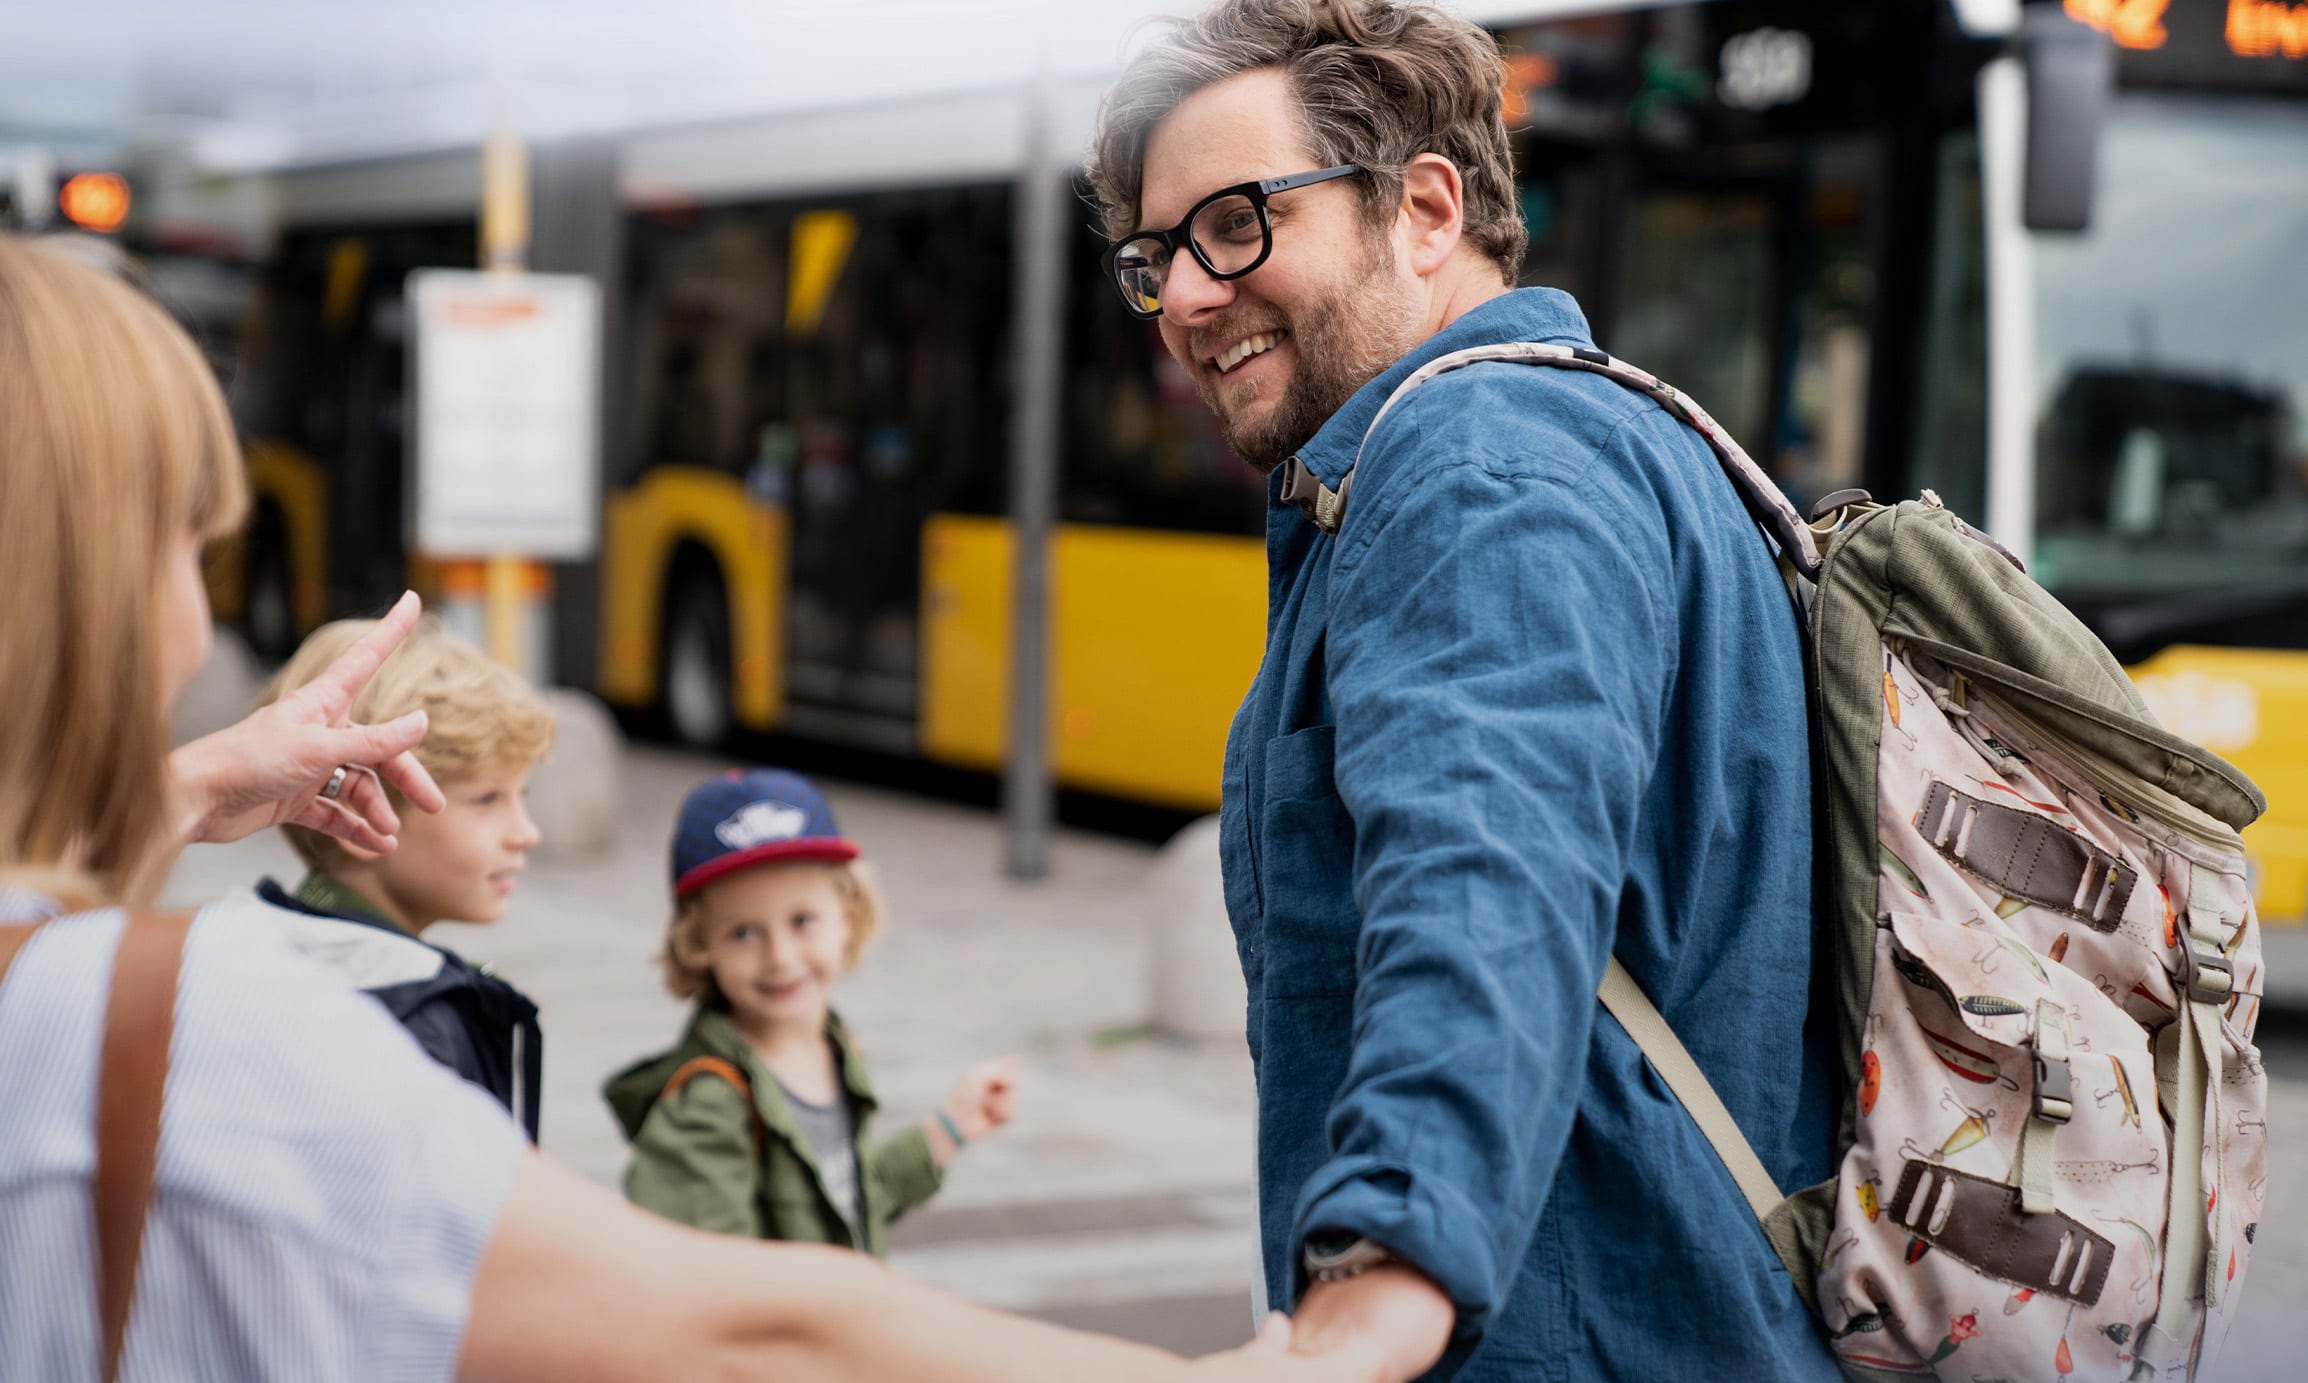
1335, 1255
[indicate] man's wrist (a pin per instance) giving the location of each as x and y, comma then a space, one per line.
1392, 1312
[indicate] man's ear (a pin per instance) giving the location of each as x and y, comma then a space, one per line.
1433, 211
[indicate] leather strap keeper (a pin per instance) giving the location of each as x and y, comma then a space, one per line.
1981, 1222
2027, 857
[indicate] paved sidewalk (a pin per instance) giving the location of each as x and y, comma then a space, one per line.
1123, 1184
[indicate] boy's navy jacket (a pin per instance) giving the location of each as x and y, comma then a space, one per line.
465, 1018
1541, 701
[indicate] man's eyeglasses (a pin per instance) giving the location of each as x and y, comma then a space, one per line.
1227, 232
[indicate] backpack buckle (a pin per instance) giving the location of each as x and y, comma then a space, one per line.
2208, 976
1303, 488
2054, 1099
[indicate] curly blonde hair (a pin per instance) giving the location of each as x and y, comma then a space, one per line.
1377, 83
481, 716
685, 956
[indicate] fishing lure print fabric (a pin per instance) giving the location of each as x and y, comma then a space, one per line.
2024, 1046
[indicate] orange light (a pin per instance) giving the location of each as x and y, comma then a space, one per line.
95, 201
1526, 72
2267, 28
2131, 23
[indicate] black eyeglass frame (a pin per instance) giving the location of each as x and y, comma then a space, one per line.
1256, 191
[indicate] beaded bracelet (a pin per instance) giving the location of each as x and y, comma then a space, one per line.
946, 1122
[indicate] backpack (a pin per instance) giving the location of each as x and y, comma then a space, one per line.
2042, 947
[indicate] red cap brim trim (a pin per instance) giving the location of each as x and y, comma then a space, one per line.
825, 849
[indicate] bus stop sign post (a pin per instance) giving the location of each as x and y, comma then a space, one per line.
506, 367
505, 250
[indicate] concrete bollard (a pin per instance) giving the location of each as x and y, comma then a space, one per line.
221, 693
573, 794
1198, 990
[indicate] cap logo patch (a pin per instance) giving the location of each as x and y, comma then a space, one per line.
757, 822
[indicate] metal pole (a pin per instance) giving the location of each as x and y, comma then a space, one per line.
1039, 302
2011, 324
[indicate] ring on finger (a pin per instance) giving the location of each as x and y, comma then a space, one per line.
336, 783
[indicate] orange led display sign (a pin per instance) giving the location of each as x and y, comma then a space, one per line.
2267, 29
95, 201
2135, 24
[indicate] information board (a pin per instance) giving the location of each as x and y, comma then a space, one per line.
508, 378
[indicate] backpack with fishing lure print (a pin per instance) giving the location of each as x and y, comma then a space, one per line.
2052, 1151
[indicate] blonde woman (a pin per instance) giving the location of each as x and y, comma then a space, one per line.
326, 1202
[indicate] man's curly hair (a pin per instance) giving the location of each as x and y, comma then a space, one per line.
1378, 83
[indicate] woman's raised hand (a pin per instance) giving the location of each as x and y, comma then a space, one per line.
274, 766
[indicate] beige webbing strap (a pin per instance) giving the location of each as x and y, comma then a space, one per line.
139, 1018
2052, 1107
1643, 1022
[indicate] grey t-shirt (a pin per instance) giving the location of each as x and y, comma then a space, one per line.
831, 1131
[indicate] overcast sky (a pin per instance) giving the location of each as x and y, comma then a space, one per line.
253, 82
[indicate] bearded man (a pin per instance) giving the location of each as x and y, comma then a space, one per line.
1537, 701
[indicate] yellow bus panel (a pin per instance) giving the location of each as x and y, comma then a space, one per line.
2250, 706
1154, 638
965, 670
295, 485
644, 526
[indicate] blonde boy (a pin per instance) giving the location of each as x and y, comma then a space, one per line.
365, 912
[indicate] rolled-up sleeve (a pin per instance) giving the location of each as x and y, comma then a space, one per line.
1498, 660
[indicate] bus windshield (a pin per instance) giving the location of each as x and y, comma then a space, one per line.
2172, 437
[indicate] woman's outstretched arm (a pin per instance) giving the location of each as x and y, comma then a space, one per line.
578, 1285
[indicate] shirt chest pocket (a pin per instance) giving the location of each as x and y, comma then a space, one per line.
1306, 870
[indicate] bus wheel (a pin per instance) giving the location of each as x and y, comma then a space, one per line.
269, 605
697, 665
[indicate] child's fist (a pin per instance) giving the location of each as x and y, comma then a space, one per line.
984, 1098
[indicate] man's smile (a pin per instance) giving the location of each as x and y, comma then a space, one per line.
1258, 343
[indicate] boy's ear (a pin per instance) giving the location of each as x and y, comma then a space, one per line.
355, 854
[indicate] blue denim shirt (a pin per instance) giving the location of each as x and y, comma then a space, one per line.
1541, 700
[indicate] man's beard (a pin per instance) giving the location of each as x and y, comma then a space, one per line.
1341, 343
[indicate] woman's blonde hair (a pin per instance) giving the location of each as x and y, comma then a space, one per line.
114, 443
481, 717
685, 957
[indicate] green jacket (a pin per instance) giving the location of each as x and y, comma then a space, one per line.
694, 1158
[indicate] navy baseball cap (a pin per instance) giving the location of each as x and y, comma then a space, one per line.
751, 816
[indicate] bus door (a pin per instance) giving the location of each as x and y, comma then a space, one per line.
893, 369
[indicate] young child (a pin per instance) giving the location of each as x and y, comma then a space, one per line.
365, 913
756, 1123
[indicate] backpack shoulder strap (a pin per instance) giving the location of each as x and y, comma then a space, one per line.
726, 1070
139, 1019
1764, 501
1667, 1055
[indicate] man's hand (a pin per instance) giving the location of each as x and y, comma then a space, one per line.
271, 767
1270, 1357
1391, 1317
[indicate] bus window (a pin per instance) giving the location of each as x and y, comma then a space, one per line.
2173, 359
1951, 445
1139, 448
1697, 297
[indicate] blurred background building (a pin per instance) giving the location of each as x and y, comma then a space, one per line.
1902, 245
